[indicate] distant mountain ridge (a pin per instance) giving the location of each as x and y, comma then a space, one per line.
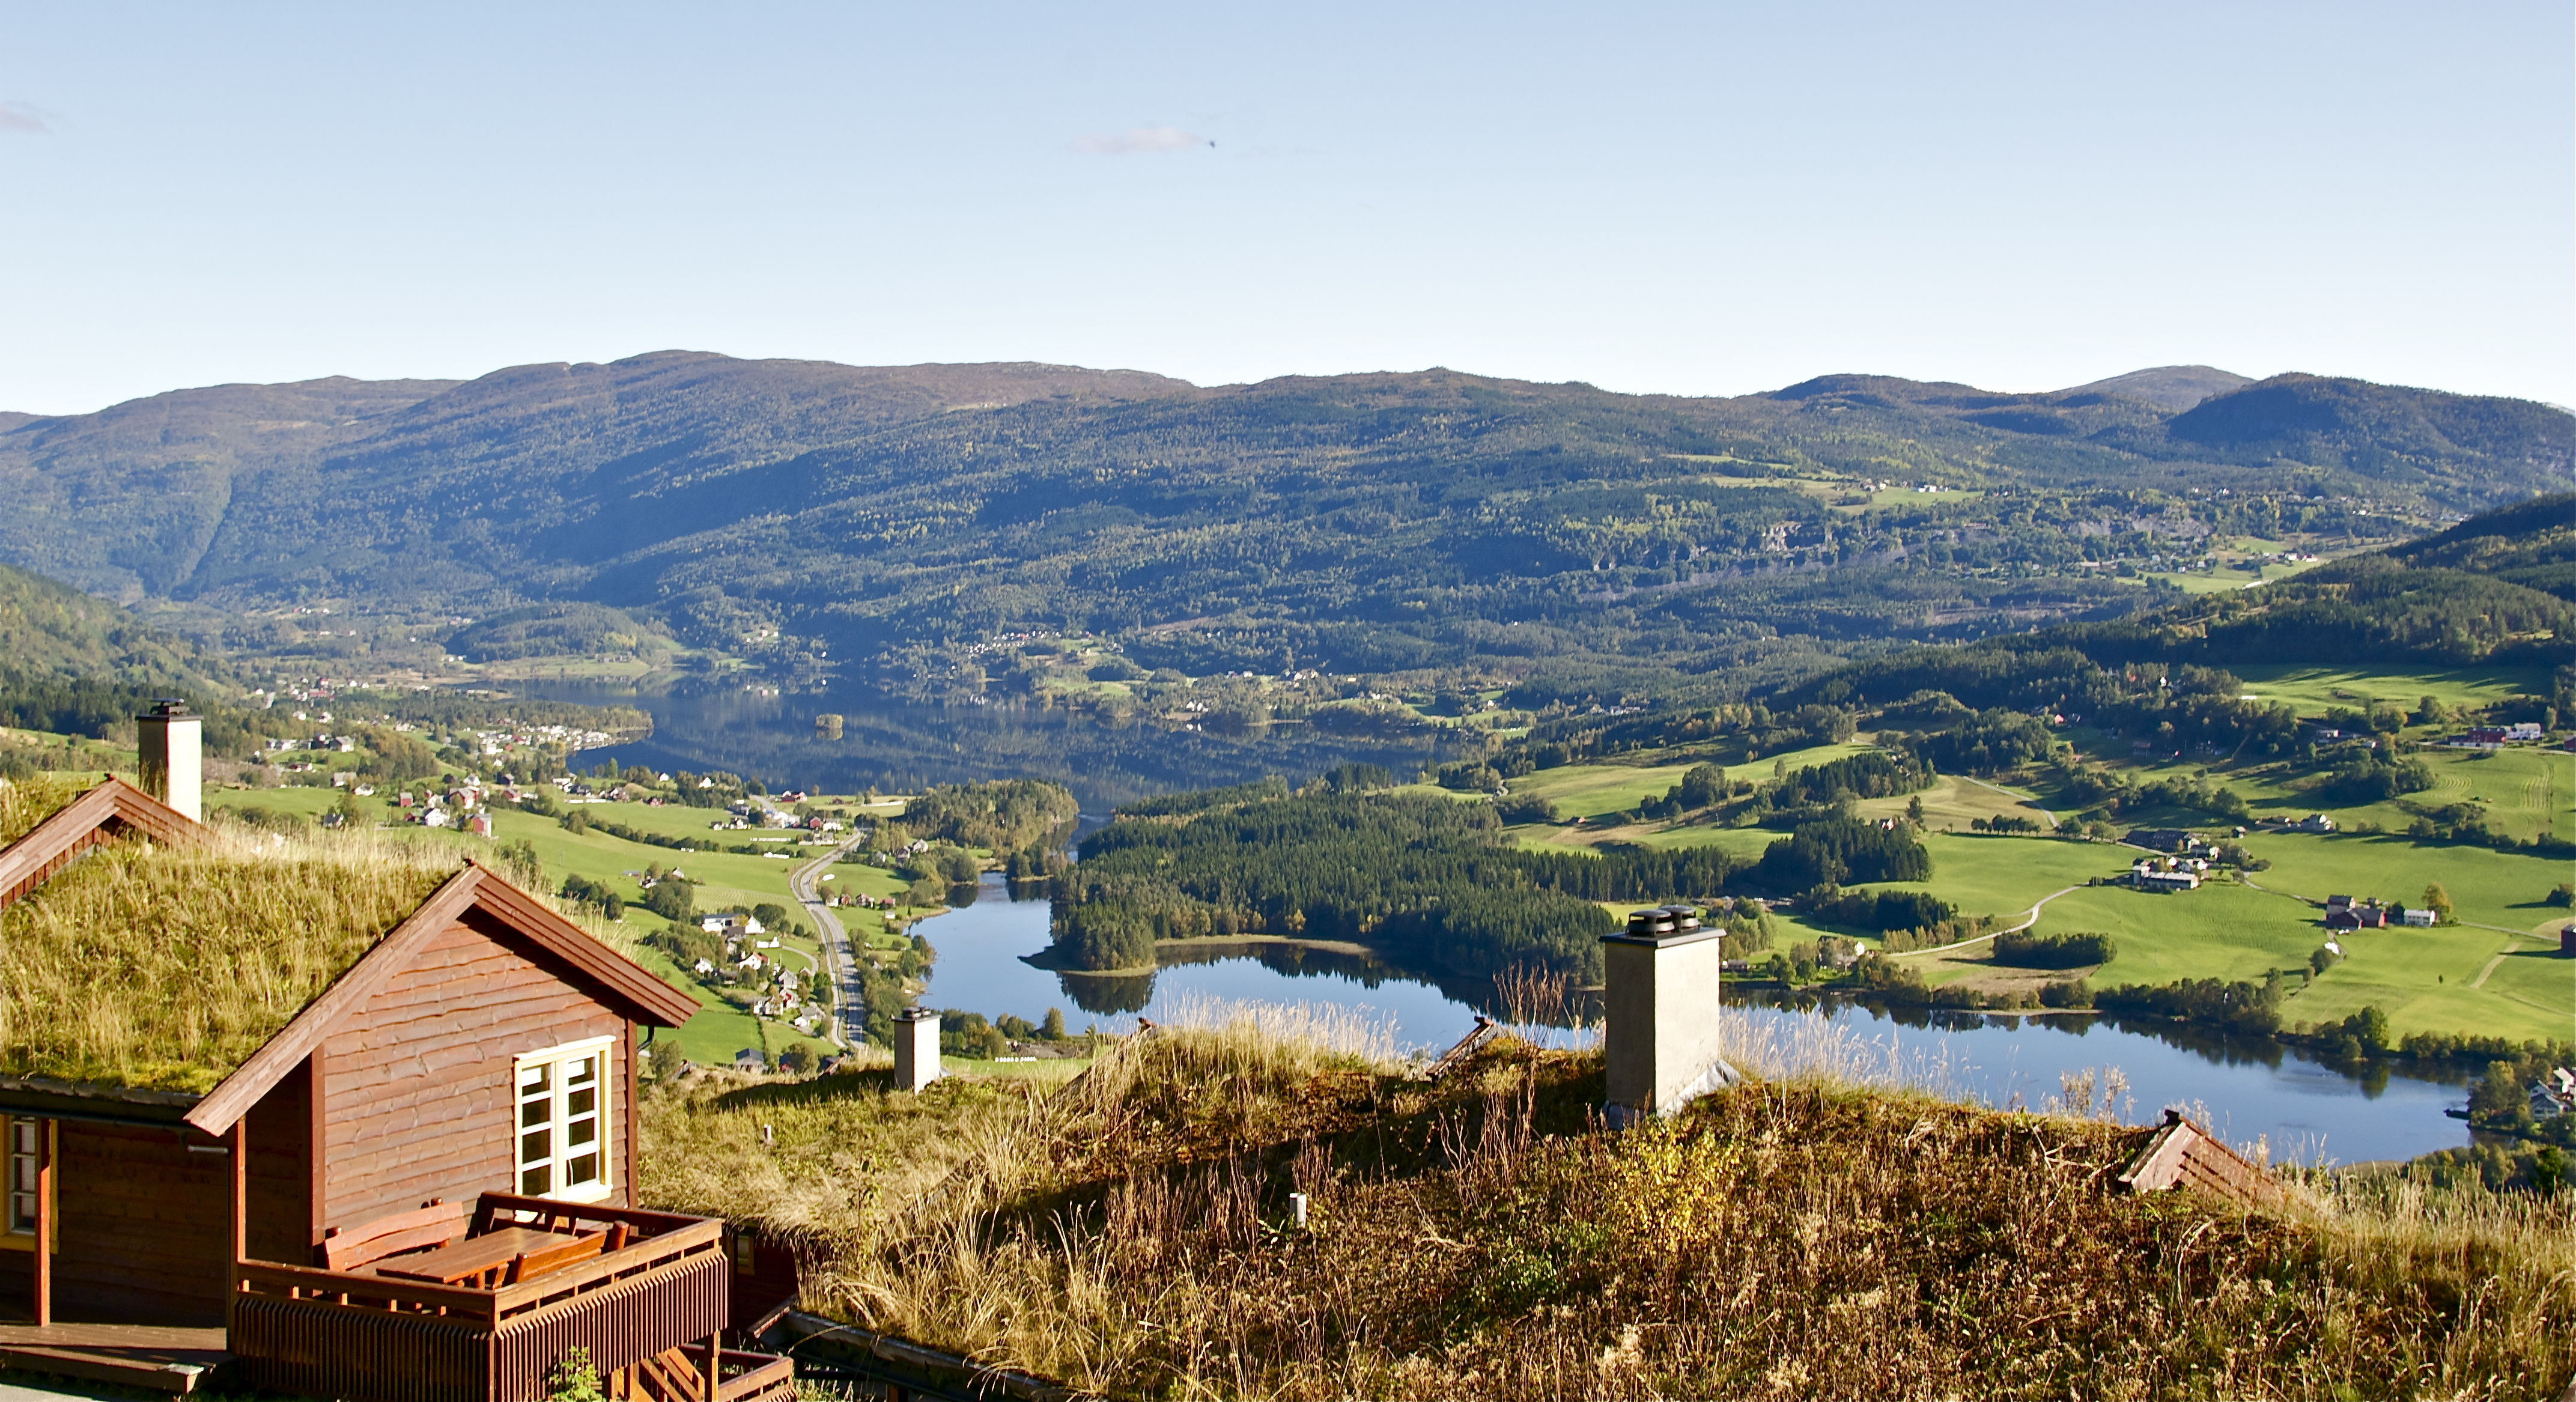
1372, 521
2170, 387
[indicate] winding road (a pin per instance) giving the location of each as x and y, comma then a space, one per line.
840, 960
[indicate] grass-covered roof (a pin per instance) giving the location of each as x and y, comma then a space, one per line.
154, 968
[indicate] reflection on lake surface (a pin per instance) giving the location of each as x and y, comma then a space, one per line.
2244, 1088
901, 746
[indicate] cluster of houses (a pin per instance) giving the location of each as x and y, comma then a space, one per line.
2314, 822
2495, 737
325, 744
2554, 1095
2346, 913
2168, 873
756, 813
743, 945
461, 809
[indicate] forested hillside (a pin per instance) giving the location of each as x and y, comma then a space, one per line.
2451, 599
51, 633
1577, 542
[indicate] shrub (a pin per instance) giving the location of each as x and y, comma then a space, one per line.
1883, 910
2076, 951
2073, 993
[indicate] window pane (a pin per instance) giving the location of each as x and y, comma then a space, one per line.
582, 1101
580, 1132
536, 1182
581, 1170
582, 1071
535, 1112
535, 1079
537, 1145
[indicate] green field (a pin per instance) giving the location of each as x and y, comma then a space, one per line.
2314, 690
724, 880
2525, 790
1590, 789
2421, 978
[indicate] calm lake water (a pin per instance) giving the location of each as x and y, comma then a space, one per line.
2243, 1088
902, 746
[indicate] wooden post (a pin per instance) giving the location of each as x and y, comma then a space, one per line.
241, 1190
44, 1253
715, 1364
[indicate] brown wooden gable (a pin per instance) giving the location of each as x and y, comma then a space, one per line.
110, 810
475, 897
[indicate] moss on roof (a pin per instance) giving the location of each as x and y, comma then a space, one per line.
164, 969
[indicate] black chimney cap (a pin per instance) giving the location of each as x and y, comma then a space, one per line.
170, 706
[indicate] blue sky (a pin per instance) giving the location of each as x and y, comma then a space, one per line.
1703, 199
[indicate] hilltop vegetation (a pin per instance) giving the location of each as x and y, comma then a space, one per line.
1574, 541
1130, 1234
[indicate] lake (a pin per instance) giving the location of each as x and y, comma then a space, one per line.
899, 746
2249, 1088
2245, 1088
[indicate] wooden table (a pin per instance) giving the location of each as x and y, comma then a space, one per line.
473, 1260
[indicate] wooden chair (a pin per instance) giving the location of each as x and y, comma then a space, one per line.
528, 1265
434, 1223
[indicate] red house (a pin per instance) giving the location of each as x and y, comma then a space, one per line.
360, 1124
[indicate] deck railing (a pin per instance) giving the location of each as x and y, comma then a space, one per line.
365, 1337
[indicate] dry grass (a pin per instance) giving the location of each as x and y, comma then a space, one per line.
1128, 1233
26, 802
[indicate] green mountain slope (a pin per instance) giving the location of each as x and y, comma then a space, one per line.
50, 631
2448, 600
1365, 522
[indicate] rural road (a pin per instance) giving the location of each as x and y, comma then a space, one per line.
2029, 918
840, 961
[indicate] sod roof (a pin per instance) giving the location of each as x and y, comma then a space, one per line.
152, 968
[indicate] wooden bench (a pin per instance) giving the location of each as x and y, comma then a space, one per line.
528, 1265
434, 1223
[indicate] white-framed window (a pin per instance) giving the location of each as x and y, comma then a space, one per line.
24, 1137
563, 1132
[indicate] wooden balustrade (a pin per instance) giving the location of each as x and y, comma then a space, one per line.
368, 1337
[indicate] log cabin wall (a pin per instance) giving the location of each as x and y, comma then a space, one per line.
146, 1226
418, 1091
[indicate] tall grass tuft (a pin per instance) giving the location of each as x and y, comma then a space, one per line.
31, 799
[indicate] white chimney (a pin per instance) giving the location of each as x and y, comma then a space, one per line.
1660, 999
916, 1048
170, 755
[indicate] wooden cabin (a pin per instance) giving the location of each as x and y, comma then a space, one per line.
371, 1118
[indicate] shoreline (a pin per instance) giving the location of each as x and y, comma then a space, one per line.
1349, 947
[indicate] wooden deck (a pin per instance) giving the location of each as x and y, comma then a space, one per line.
369, 1335
176, 1361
